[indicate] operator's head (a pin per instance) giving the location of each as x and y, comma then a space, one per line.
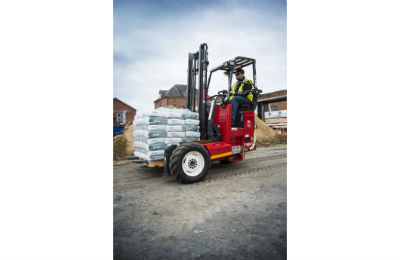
239, 73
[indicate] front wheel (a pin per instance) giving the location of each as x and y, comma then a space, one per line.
189, 162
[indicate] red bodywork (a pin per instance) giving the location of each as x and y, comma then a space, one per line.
235, 141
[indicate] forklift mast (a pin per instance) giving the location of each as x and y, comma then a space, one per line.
198, 64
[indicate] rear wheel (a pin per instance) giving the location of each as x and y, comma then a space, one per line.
189, 162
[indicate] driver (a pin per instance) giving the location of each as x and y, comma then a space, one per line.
237, 97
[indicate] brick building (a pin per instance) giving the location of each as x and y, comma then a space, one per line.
271, 102
174, 97
123, 113
272, 108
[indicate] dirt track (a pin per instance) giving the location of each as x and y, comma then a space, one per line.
237, 212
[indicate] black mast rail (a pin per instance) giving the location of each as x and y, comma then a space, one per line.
198, 64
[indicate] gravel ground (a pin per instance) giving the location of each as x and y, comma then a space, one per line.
237, 212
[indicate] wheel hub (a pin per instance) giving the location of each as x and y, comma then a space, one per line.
193, 163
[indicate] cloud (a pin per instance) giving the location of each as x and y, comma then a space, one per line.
150, 51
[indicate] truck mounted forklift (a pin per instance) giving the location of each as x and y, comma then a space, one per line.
221, 138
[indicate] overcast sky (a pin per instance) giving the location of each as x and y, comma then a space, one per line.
152, 40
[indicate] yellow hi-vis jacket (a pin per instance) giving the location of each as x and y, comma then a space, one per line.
239, 90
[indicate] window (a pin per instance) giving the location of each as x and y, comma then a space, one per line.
274, 108
119, 117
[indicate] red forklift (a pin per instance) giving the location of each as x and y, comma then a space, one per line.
221, 138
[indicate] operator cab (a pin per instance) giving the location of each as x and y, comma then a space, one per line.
229, 68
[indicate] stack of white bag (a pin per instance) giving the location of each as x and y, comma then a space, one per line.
164, 127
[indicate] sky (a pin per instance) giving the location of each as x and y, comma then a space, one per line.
152, 40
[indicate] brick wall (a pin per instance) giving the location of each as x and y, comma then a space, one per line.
119, 107
178, 102
282, 105
272, 94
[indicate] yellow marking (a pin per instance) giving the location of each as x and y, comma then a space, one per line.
221, 155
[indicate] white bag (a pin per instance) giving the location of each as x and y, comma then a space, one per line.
192, 122
174, 115
176, 134
157, 152
176, 121
155, 140
173, 140
155, 127
161, 128
174, 128
192, 134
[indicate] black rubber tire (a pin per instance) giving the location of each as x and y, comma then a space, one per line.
177, 156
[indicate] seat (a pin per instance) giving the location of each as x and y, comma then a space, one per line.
246, 107
253, 105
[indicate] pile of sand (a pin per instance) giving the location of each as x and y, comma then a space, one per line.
265, 136
123, 143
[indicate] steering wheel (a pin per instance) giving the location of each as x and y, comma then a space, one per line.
223, 92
